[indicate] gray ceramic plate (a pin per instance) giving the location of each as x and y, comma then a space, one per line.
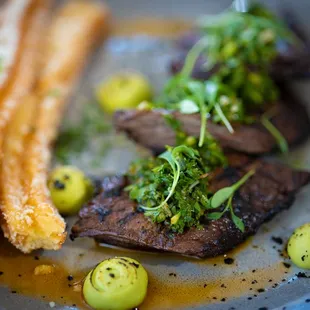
151, 56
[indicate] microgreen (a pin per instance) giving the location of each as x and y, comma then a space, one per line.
282, 143
226, 194
192, 57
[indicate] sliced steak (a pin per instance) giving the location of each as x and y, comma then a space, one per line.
150, 129
114, 219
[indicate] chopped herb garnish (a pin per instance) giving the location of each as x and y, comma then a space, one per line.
170, 188
75, 139
173, 189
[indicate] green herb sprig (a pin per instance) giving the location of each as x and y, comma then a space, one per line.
226, 194
281, 141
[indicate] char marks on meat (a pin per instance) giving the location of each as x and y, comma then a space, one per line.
113, 218
150, 129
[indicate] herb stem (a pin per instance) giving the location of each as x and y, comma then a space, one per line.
243, 180
192, 57
203, 125
282, 143
193, 185
223, 118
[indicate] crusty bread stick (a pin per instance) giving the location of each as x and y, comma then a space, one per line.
74, 30
15, 114
19, 52
15, 18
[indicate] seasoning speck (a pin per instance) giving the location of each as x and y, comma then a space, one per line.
13, 292
112, 275
229, 261
286, 265
134, 264
302, 275
70, 278
205, 285
1, 273
59, 185
223, 299
36, 257
254, 270
277, 240
307, 300
263, 308
261, 290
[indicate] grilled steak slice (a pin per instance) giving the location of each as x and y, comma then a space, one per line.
115, 219
150, 129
